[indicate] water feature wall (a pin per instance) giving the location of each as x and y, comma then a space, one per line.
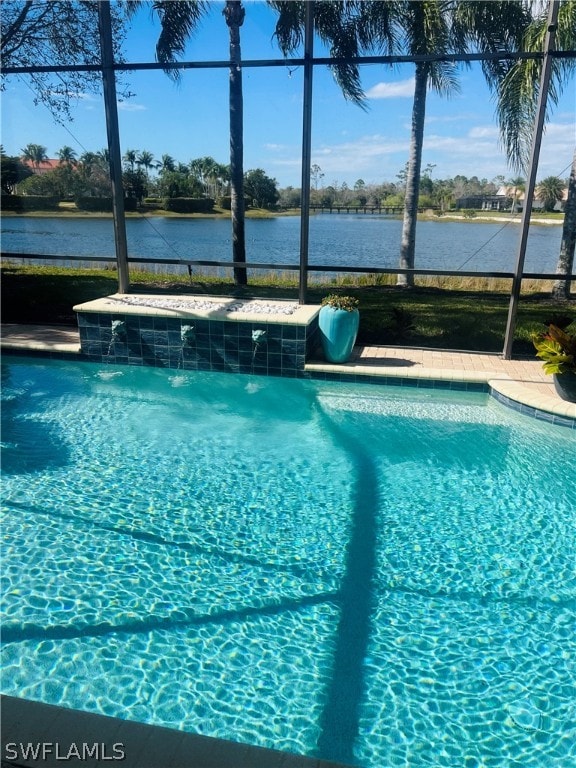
200, 333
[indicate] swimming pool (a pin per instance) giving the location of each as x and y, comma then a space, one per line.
374, 575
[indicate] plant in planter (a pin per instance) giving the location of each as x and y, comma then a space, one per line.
338, 322
557, 348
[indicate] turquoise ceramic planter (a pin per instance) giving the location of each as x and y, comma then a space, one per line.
338, 331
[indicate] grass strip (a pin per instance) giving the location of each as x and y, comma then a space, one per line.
444, 312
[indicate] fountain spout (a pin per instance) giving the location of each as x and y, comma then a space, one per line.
118, 330
187, 334
259, 337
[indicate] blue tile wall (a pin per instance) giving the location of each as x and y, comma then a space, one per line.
217, 345
528, 410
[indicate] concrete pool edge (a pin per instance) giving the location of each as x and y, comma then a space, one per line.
396, 366
26, 722
509, 392
223, 308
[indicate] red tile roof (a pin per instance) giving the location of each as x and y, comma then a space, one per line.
43, 167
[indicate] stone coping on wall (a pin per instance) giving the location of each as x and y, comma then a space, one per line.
241, 310
509, 389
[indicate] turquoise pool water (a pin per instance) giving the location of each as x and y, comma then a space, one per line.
380, 576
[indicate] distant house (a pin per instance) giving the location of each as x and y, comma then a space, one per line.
537, 205
484, 202
44, 167
502, 201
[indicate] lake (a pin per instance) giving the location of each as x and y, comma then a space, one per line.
335, 239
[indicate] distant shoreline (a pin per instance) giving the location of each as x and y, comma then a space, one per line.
504, 219
264, 214
156, 214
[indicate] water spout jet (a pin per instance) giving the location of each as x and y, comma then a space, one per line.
118, 330
187, 335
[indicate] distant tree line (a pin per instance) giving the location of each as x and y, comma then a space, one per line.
148, 180
143, 177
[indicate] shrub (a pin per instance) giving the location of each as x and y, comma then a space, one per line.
29, 203
338, 301
425, 201
393, 201
225, 202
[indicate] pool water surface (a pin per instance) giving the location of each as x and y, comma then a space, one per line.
376, 575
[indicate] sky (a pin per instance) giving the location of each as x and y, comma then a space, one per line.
190, 119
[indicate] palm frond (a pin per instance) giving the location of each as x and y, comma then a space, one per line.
289, 30
336, 23
178, 20
379, 25
443, 78
517, 92
516, 109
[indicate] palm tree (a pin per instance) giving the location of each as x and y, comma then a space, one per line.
167, 164
222, 178
425, 27
35, 154
203, 169
517, 99
145, 160
178, 20
438, 27
86, 164
103, 157
550, 191
130, 157
88, 159
67, 156
93, 174
518, 185
234, 14
427, 30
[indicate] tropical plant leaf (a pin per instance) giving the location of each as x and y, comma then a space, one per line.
566, 341
557, 359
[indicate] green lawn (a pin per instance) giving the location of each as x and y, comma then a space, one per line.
451, 314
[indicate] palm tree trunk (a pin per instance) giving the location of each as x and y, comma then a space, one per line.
408, 244
234, 15
561, 288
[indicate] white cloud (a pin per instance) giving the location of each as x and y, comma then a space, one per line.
483, 132
473, 152
369, 156
399, 89
447, 118
89, 101
129, 106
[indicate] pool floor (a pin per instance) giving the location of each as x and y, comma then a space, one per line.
357, 574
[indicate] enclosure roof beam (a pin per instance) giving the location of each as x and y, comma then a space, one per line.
322, 61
